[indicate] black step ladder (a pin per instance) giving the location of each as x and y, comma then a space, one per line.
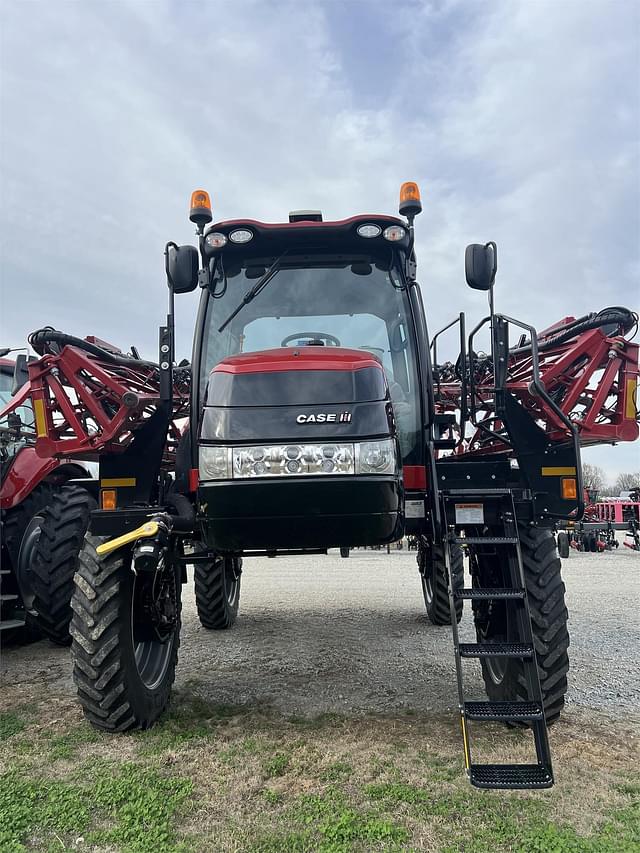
492, 512
8, 624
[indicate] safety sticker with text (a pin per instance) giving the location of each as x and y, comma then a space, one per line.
469, 514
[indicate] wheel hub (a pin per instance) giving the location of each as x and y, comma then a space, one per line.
30, 539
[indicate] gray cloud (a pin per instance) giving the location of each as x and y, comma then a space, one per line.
520, 120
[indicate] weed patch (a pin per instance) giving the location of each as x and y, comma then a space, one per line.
277, 765
134, 806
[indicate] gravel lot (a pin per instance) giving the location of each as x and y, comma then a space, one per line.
322, 634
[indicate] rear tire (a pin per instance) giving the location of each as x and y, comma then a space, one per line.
17, 519
124, 663
563, 545
15, 522
55, 558
435, 587
217, 586
549, 617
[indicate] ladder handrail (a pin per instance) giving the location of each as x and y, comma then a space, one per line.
536, 388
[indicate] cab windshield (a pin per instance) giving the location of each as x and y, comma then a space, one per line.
355, 301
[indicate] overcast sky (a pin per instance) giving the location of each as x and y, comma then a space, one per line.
519, 120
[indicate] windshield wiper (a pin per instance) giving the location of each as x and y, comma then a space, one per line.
250, 295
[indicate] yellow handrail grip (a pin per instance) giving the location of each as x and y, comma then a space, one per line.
148, 529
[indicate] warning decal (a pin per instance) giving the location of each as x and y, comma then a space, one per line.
469, 514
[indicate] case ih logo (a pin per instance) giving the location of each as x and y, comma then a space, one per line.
325, 418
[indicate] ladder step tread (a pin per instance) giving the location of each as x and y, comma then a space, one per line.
489, 593
5, 571
510, 776
488, 650
8, 597
503, 710
486, 540
11, 623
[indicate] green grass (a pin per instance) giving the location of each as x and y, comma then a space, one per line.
329, 823
67, 745
215, 777
133, 806
10, 725
188, 719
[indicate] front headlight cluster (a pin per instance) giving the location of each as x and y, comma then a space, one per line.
296, 460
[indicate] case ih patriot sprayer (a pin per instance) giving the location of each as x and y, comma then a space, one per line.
314, 414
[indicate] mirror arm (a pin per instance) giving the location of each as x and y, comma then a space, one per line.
411, 268
166, 336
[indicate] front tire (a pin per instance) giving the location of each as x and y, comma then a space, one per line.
504, 678
435, 587
217, 586
126, 633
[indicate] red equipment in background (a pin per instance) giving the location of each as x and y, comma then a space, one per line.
616, 511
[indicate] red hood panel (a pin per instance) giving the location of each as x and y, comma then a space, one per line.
297, 358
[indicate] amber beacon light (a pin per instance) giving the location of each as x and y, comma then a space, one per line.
200, 212
410, 204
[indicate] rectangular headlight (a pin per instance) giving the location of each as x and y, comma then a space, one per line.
376, 457
215, 463
284, 460
297, 460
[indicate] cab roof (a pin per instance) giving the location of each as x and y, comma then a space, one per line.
275, 237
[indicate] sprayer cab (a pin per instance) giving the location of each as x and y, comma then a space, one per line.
306, 377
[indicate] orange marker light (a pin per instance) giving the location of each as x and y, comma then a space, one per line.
108, 499
200, 212
569, 489
410, 204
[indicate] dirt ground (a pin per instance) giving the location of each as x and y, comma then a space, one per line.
323, 634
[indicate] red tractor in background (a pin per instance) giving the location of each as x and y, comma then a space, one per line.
44, 512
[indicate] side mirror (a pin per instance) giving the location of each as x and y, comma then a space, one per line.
481, 265
20, 373
182, 264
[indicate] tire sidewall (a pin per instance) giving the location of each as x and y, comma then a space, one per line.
146, 704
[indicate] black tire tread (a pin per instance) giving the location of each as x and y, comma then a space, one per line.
214, 611
439, 611
16, 519
97, 648
549, 618
563, 544
65, 522
14, 524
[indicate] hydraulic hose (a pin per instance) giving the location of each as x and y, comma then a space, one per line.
43, 339
610, 320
